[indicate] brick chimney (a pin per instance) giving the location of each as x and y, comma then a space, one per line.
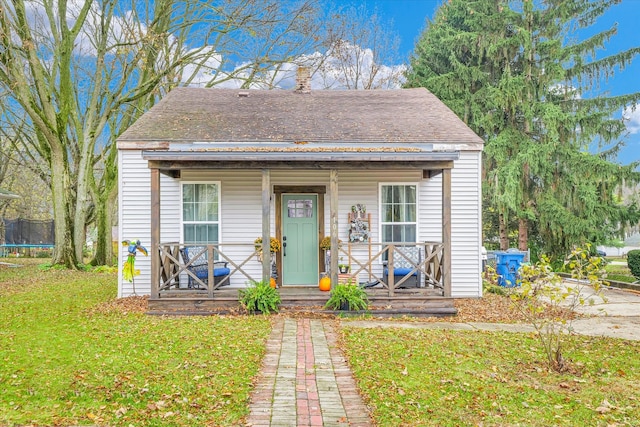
303, 80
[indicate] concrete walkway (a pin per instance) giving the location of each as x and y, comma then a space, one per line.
305, 381
617, 316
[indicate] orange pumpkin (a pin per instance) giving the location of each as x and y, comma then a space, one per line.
273, 283
325, 284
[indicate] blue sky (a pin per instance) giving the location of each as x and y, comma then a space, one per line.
408, 19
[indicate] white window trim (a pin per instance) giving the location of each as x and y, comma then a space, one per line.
219, 184
417, 222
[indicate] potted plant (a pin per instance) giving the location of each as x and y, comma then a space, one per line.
344, 268
347, 296
274, 245
325, 243
260, 297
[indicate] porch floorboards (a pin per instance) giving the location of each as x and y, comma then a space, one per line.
412, 302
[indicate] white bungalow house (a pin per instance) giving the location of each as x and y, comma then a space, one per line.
392, 177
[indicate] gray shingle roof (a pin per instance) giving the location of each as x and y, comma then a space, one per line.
224, 115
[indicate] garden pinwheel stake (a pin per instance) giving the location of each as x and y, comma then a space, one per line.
128, 268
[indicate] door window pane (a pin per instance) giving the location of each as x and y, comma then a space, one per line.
302, 208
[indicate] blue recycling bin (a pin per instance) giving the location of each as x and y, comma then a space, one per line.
507, 265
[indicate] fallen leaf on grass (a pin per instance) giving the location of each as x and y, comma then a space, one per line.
605, 407
132, 304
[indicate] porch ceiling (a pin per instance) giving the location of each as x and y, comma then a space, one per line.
174, 160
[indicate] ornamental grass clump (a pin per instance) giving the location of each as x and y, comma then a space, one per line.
347, 296
260, 297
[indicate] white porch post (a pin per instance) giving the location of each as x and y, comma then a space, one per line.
446, 231
266, 225
333, 221
155, 233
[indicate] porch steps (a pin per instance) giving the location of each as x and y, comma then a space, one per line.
407, 303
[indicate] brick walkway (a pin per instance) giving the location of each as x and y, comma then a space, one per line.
305, 381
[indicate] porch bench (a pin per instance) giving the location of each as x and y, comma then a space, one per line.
200, 267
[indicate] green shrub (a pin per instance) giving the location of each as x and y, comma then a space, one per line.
42, 254
260, 297
490, 282
490, 288
347, 296
633, 261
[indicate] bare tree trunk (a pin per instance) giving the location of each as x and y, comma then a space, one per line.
504, 234
105, 215
523, 234
112, 220
64, 252
81, 210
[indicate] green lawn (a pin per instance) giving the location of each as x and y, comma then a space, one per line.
620, 273
462, 378
64, 363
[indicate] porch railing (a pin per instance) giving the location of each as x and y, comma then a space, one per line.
173, 268
421, 262
403, 262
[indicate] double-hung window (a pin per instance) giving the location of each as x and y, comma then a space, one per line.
201, 213
398, 213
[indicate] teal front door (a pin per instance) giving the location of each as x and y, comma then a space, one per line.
300, 239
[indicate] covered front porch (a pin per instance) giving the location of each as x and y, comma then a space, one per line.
395, 274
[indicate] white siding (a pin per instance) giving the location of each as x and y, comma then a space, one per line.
431, 209
134, 217
241, 214
466, 227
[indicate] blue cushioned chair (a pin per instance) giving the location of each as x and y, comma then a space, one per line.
402, 267
200, 267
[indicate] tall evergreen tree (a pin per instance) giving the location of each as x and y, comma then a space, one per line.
516, 75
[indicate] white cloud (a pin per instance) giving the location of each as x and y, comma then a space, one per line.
631, 116
201, 73
346, 66
349, 66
